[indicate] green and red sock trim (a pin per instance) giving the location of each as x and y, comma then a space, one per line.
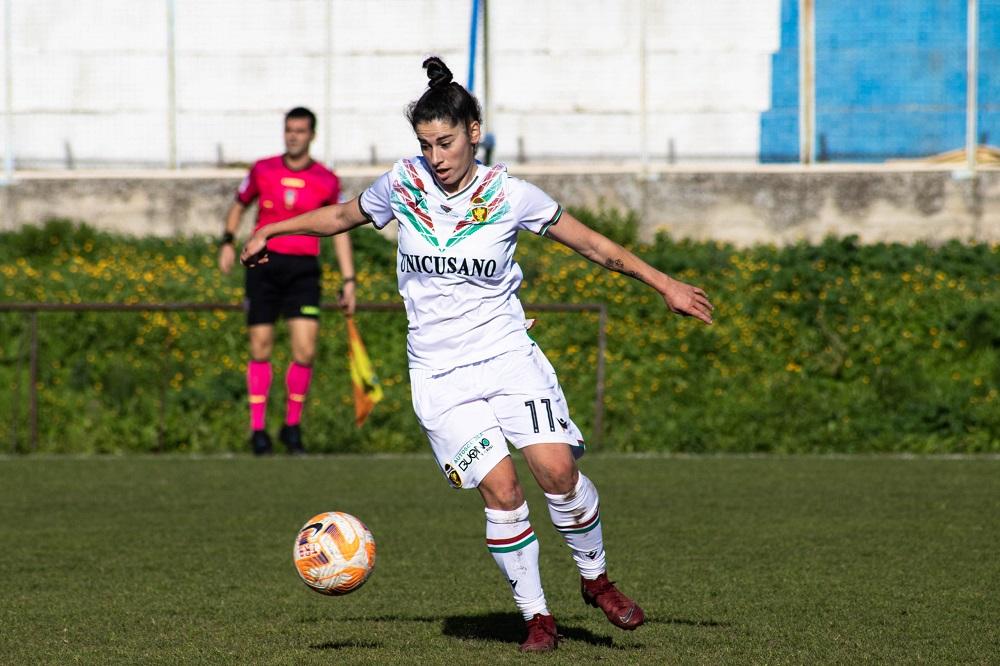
581, 528
513, 543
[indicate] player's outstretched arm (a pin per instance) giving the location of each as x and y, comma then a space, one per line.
680, 297
326, 221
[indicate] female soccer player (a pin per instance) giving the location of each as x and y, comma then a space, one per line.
478, 381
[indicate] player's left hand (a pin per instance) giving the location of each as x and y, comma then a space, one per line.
347, 301
254, 252
688, 301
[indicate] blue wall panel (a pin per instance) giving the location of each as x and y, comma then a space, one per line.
890, 79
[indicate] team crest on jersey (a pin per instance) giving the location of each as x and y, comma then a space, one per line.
479, 211
453, 478
290, 199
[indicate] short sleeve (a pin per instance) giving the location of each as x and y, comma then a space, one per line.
249, 188
375, 203
534, 210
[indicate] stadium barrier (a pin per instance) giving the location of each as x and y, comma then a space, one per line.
32, 310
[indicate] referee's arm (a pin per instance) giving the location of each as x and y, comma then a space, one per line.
227, 251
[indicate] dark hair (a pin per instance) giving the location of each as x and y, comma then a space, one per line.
303, 112
444, 99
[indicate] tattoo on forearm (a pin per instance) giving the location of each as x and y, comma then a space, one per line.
619, 265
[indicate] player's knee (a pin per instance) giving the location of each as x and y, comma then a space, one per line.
505, 496
260, 350
565, 483
305, 357
558, 479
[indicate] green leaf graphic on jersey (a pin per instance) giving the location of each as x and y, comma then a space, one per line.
409, 199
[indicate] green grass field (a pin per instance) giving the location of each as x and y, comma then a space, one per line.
736, 559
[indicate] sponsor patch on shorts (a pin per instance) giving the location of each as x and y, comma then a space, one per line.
471, 451
310, 310
453, 478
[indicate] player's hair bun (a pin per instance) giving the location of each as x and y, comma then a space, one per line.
437, 72
444, 99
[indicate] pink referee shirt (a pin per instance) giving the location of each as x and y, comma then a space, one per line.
283, 193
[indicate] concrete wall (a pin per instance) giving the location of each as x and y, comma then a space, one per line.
760, 205
90, 77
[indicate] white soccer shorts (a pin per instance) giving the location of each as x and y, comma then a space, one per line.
470, 412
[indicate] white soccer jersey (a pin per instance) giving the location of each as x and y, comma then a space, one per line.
455, 258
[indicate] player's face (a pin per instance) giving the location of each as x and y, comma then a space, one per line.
298, 136
450, 150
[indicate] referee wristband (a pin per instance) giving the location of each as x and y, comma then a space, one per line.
227, 239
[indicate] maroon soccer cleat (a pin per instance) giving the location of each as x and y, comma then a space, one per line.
621, 611
542, 635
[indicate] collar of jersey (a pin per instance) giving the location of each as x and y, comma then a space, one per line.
434, 178
284, 162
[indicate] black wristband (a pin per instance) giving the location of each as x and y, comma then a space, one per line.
349, 279
227, 238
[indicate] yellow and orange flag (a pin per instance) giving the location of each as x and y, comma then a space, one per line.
367, 388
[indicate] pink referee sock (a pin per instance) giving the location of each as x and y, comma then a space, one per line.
258, 385
297, 382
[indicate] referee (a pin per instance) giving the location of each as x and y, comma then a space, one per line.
288, 285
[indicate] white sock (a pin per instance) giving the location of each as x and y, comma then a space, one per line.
577, 516
512, 542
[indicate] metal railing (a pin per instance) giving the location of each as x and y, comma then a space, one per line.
32, 311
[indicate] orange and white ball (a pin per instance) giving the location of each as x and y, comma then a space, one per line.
334, 553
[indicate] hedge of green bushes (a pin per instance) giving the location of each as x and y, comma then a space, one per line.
836, 347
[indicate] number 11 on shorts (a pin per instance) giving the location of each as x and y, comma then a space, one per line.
530, 404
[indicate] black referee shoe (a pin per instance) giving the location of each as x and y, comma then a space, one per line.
291, 436
260, 443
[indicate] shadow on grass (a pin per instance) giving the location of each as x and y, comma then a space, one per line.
341, 645
508, 628
688, 622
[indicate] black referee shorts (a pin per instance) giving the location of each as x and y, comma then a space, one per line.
287, 285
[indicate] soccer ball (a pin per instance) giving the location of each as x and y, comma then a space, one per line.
334, 553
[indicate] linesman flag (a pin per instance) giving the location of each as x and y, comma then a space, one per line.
367, 388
